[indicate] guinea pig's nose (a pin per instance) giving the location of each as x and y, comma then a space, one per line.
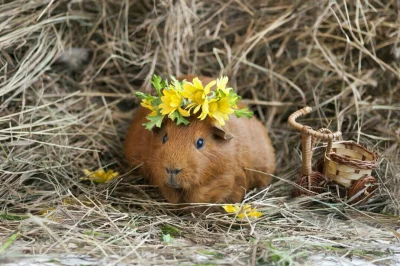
173, 171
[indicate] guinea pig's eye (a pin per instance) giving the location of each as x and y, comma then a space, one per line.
200, 143
165, 138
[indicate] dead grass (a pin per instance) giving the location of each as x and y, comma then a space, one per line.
67, 73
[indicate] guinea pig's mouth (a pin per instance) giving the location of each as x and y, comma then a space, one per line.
174, 186
172, 182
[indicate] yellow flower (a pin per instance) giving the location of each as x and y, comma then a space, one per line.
100, 176
251, 214
146, 104
196, 93
221, 87
219, 109
246, 211
220, 106
231, 208
221, 84
254, 214
172, 101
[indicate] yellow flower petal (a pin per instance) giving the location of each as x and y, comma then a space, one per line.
171, 101
243, 212
213, 106
188, 90
190, 106
183, 112
145, 103
100, 172
204, 111
197, 109
208, 87
231, 208
166, 109
154, 113
100, 176
199, 97
220, 109
219, 118
87, 172
197, 83
246, 207
241, 215
254, 214
221, 83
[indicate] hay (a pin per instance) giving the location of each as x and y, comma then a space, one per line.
67, 73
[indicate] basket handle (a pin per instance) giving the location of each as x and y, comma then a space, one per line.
328, 149
308, 130
307, 136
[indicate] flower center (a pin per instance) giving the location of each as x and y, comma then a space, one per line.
213, 107
175, 101
198, 97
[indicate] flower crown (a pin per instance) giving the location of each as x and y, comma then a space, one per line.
179, 99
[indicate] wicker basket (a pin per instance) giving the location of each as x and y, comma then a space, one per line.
346, 162
310, 182
346, 165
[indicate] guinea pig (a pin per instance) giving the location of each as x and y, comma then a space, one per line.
201, 162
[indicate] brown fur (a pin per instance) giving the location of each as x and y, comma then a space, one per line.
214, 174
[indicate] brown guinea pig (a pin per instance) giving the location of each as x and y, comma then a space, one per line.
201, 162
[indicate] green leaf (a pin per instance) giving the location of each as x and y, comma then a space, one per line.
233, 97
179, 118
141, 95
12, 217
244, 112
158, 84
167, 238
11, 239
221, 94
177, 84
169, 229
145, 96
153, 121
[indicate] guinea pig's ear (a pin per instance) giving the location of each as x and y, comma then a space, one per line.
221, 132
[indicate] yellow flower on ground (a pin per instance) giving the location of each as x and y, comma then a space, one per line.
219, 109
254, 214
146, 104
245, 211
171, 101
100, 176
231, 208
196, 93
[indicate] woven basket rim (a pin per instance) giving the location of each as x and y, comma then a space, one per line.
353, 163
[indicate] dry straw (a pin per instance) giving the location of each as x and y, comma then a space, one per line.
68, 71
